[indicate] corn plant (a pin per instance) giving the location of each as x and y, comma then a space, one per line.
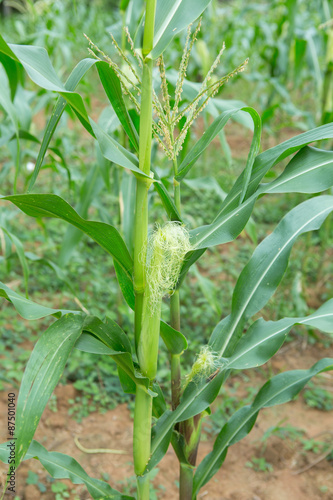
293, 55
161, 259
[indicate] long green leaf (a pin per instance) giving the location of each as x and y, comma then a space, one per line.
61, 466
20, 252
254, 150
37, 64
116, 153
124, 4
119, 347
12, 70
72, 82
112, 87
261, 276
50, 205
264, 338
213, 130
27, 308
41, 376
197, 396
266, 160
172, 16
280, 389
126, 284
166, 199
310, 171
7, 105
10, 109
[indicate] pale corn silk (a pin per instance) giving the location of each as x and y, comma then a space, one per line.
166, 251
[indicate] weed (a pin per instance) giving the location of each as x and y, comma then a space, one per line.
318, 397
259, 464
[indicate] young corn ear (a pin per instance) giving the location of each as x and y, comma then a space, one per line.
206, 363
167, 248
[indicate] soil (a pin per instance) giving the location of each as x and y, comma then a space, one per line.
235, 480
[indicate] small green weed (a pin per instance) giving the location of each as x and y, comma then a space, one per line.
282, 432
315, 445
259, 464
94, 397
34, 479
318, 397
62, 492
52, 404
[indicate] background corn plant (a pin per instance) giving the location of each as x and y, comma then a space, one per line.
233, 344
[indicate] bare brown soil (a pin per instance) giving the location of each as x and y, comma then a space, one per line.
235, 481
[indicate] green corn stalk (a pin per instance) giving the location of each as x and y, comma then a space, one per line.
327, 91
147, 358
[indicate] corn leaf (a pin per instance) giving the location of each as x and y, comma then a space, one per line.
268, 159
113, 151
111, 85
123, 4
72, 82
262, 274
27, 308
126, 284
166, 199
50, 205
197, 396
109, 339
13, 71
90, 189
172, 16
61, 466
310, 171
21, 255
278, 390
213, 130
264, 338
37, 64
41, 376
